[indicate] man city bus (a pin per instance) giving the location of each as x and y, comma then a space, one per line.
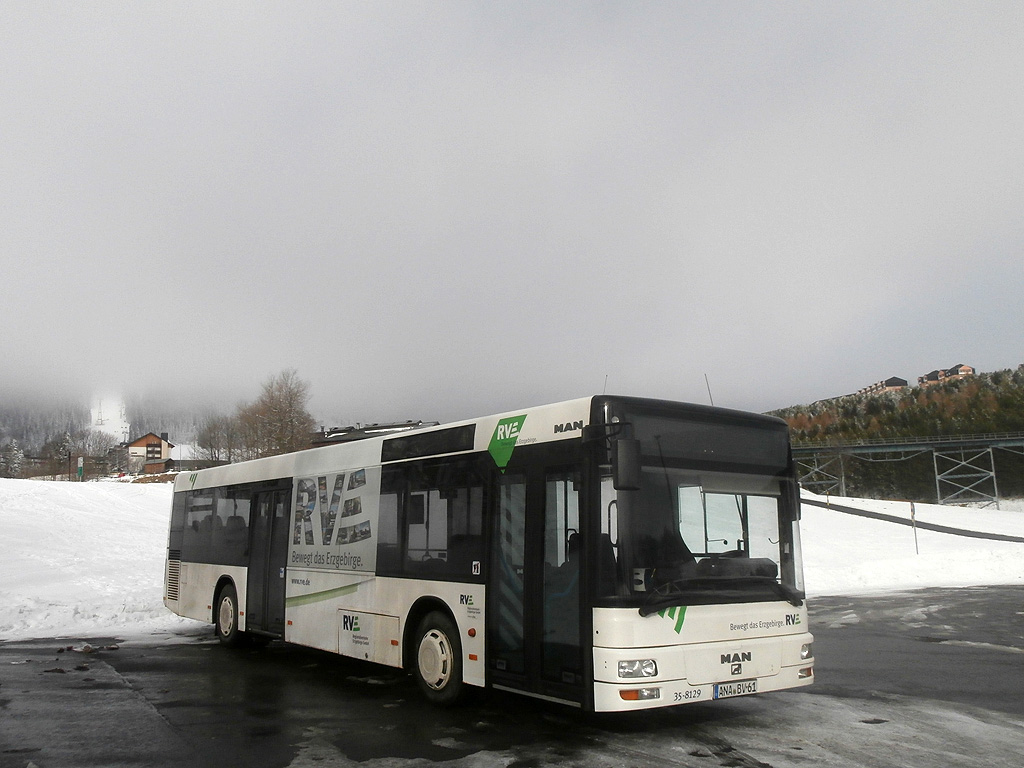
610, 553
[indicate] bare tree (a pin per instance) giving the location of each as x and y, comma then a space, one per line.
282, 423
94, 442
276, 422
220, 439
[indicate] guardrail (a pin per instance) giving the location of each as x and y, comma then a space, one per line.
991, 437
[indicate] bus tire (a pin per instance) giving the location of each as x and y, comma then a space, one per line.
225, 616
439, 660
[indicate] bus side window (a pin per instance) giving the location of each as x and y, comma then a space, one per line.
442, 519
198, 533
233, 540
428, 531
392, 484
465, 530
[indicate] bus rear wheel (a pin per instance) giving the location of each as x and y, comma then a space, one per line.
225, 616
439, 659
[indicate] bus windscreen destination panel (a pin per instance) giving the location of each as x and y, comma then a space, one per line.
432, 443
750, 445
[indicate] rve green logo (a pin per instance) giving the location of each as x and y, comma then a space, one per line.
677, 613
349, 623
465, 599
503, 441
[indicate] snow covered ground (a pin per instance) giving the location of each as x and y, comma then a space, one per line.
847, 555
82, 558
87, 559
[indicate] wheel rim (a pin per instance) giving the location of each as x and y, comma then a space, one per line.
226, 615
435, 659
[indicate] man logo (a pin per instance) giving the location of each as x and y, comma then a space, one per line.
732, 658
737, 669
569, 426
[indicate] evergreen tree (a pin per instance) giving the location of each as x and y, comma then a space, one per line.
12, 460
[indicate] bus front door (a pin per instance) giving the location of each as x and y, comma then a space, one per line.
268, 555
534, 621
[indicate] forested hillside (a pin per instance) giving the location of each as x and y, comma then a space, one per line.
981, 404
986, 402
34, 422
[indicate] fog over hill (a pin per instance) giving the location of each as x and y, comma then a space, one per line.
35, 420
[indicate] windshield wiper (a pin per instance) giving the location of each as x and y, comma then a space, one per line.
788, 594
659, 600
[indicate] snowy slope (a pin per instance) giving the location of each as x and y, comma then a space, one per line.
82, 558
87, 559
845, 554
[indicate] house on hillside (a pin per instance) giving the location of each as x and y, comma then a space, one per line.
947, 374
959, 371
149, 453
892, 383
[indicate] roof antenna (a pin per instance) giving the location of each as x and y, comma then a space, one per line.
708, 385
605, 390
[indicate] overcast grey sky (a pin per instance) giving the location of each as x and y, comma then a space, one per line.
442, 210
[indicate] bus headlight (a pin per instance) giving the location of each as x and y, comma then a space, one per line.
807, 651
638, 668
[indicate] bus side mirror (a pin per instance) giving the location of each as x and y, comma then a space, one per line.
626, 465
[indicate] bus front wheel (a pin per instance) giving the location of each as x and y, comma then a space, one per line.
225, 617
439, 659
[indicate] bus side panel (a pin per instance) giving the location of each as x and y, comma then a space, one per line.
367, 618
198, 582
465, 603
313, 600
370, 636
332, 550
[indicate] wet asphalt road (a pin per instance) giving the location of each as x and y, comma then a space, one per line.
190, 702
964, 646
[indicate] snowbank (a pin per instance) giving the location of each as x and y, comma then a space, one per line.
845, 554
80, 559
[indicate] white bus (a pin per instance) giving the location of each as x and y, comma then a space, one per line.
610, 553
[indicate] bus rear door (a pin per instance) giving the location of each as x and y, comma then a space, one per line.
268, 556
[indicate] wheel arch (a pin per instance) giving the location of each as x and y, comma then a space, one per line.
222, 582
417, 612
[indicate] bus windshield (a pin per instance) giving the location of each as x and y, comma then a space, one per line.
700, 529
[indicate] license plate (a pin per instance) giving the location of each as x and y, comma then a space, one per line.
735, 688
